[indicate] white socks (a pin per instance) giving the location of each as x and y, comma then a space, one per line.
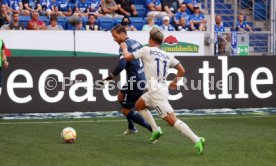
185, 130
0, 90
148, 117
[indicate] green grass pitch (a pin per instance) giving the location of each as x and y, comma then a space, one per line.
231, 140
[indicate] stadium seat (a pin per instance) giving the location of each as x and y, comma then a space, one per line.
138, 22
139, 2
44, 19
117, 21
141, 10
106, 23
24, 20
61, 22
260, 11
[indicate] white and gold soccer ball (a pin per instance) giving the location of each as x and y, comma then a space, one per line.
68, 135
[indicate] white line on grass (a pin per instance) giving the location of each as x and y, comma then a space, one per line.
122, 120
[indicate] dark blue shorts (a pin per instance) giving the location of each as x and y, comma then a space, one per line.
131, 96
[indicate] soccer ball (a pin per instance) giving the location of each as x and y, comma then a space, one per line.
68, 135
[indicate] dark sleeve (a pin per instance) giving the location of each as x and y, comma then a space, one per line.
120, 67
165, 3
25, 1
3, 45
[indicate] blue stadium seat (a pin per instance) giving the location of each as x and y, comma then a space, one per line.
139, 2
227, 18
61, 22
117, 21
141, 10
260, 11
228, 23
158, 21
24, 20
138, 22
246, 4
106, 23
44, 19
84, 20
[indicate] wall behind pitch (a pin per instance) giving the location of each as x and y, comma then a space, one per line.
43, 84
93, 43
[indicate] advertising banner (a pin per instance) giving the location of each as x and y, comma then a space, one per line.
65, 84
94, 43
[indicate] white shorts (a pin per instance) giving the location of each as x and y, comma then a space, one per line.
159, 101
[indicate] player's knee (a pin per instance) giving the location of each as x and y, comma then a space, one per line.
170, 119
139, 106
125, 111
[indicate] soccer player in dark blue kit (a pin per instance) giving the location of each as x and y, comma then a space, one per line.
130, 92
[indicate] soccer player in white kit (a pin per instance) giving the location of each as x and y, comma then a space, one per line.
156, 65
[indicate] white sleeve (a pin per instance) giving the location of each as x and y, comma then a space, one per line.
174, 62
141, 52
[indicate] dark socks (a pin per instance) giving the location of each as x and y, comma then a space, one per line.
137, 118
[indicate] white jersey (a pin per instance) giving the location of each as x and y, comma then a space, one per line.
156, 65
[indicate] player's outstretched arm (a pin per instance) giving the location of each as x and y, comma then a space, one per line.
180, 72
127, 55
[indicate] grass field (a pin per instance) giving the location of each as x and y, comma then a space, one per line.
231, 140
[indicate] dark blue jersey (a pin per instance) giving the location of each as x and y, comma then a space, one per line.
134, 68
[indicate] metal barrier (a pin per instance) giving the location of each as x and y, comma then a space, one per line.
247, 43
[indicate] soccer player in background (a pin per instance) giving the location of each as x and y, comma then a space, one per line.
156, 65
130, 92
3, 62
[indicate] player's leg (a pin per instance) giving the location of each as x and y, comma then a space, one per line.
128, 102
142, 106
131, 128
166, 112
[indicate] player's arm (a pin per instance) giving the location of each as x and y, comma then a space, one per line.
4, 58
120, 67
127, 55
180, 72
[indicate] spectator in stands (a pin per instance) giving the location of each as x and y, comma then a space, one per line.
92, 23
182, 13
35, 23
166, 26
54, 23
45, 7
190, 5
79, 26
110, 8
242, 25
154, 9
127, 24
198, 22
63, 8
15, 25
222, 38
14, 6
82, 8
126, 8
218, 26
182, 26
31, 5
5, 18
150, 24
95, 7
170, 6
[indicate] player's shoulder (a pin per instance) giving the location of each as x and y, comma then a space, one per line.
131, 41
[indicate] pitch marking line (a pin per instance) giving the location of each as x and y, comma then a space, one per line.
122, 120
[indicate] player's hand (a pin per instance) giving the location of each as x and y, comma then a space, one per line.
101, 82
173, 85
6, 64
123, 46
